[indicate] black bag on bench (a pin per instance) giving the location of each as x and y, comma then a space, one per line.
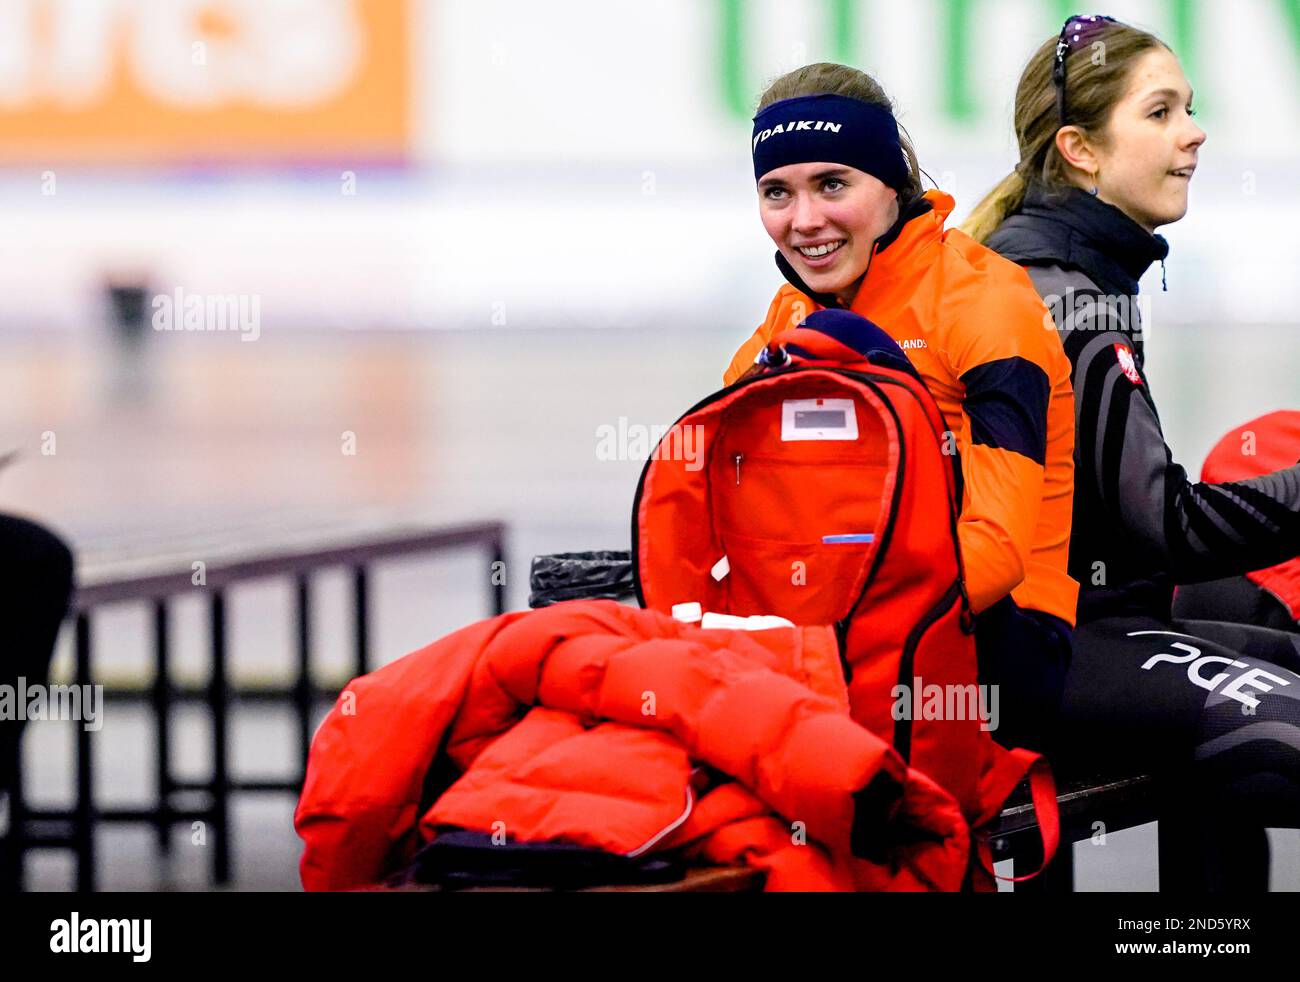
601, 575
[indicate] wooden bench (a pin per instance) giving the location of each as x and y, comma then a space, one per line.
708, 879
1116, 803
1086, 806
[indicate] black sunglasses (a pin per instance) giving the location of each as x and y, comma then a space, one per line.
1078, 28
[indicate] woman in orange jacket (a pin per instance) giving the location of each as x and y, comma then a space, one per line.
840, 194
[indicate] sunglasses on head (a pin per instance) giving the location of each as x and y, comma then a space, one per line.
1078, 28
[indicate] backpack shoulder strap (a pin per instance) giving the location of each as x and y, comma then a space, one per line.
1008, 769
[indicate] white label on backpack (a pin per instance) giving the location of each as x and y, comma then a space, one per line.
818, 419
721, 568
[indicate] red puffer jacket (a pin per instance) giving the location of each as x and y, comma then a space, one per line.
1274, 441
585, 722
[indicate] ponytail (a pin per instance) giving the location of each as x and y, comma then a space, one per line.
1003, 200
1096, 86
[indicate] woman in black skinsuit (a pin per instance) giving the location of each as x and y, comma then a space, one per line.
1108, 146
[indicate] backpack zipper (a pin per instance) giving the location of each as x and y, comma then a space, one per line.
906, 664
881, 546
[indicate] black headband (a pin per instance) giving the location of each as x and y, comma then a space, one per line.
833, 128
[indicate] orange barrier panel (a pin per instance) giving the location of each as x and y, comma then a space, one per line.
201, 80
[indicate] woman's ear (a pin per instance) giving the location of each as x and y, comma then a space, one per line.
1075, 150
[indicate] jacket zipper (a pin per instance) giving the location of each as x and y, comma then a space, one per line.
671, 826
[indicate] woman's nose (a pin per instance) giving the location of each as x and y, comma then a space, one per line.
807, 215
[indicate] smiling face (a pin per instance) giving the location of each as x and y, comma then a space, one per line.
1144, 163
825, 218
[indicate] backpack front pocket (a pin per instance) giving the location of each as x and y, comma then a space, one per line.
807, 582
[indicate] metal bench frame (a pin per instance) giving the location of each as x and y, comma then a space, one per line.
74, 828
1117, 803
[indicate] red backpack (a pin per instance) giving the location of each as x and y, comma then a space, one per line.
819, 490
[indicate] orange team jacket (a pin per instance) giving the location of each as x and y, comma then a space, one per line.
987, 348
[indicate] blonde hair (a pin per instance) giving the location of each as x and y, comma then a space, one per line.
1093, 87
828, 78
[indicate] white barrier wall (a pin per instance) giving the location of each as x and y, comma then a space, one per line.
675, 82
571, 161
